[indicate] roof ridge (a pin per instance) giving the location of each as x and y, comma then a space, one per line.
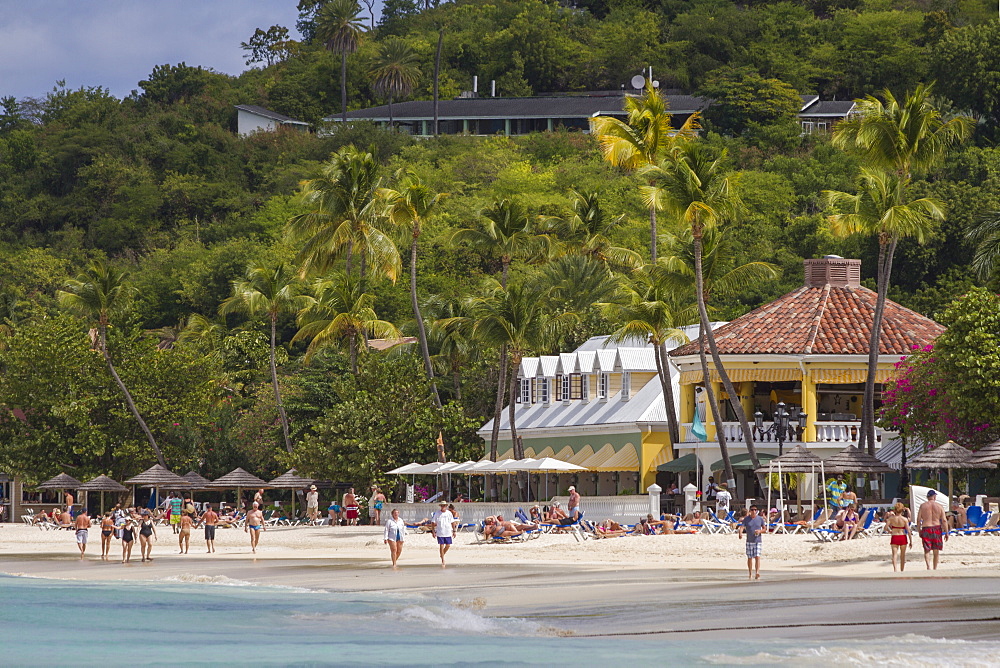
814, 329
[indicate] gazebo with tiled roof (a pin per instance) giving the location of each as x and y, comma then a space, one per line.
809, 349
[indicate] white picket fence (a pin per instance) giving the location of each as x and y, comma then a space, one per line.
596, 508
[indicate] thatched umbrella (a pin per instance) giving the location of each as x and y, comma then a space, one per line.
102, 484
289, 480
949, 456
988, 453
852, 460
61, 482
156, 477
199, 483
238, 479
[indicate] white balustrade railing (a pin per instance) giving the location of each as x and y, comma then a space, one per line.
826, 432
619, 508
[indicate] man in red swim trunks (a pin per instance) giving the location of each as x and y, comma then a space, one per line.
351, 507
930, 523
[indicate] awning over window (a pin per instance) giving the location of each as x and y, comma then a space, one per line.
688, 462
625, 459
741, 462
545, 452
599, 457
847, 376
741, 375
665, 455
580, 457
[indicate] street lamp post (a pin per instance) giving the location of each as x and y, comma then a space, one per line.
781, 426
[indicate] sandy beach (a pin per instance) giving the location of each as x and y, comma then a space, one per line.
692, 584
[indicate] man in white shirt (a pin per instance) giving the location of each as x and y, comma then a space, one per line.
312, 503
444, 529
722, 499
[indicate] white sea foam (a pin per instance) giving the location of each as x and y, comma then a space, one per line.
446, 618
909, 650
222, 580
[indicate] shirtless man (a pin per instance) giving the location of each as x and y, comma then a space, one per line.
574, 502
255, 524
65, 519
211, 519
184, 537
69, 502
557, 514
930, 524
82, 526
351, 507
899, 528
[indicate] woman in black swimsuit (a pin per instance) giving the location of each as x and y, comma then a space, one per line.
107, 529
146, 529
128, 540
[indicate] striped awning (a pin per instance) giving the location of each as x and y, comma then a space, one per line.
625, 459
741, 375
848, 376
565, 454
509, 454
598, 458
665, 455
579, 458
545, 452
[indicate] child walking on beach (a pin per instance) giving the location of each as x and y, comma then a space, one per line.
753, 525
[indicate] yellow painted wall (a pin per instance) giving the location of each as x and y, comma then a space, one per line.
652, 443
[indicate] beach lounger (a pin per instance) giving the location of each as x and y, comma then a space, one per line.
989, 527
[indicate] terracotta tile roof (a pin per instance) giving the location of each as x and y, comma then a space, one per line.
821, 321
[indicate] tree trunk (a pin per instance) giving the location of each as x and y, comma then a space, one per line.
421, 330
343, 87
503, 274
350, 256
868, 408
734, 399
713, 401
663, 368
514, 439
102, 333
652, 233
456, 380
353, 345
277, 389
390, 112
495, 436
437, 76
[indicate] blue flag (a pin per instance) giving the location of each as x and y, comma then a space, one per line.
697, 428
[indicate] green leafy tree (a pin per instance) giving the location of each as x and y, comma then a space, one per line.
269, 46
642, 139
268, 291
966, 63
410, 204
98, 294
395, 70
587, 231
743, 101
340, 27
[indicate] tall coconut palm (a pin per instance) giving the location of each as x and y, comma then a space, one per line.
268, 291
344, 218
905, 138
642, 139
882, 207
506, 233
647, 310
451, 334
410, 204
986, 236
98, 294
395, 70
206, 334
586, 232
340, 26
339, 313
692, 185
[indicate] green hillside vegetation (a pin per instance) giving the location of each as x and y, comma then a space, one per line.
160, 187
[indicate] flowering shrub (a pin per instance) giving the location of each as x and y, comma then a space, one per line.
951, 390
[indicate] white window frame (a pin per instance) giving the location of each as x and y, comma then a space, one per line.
626, 385
603, 385
565, 387
543, 391
525, 396
585, 387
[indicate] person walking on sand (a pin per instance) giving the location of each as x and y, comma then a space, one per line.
184, 537
255, 524
147, 534
312, 503
377, 501
107, 531
930, 523
176, 505
444, 529
210, 519
351, 507
574, 503
82, 526
128, 540
753, 525
68, 498
899, 528
395, 532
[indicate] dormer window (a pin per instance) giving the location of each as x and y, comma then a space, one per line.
585, 387
575, 386
602, 386
525, 397
543, 391
565, 388
626, 385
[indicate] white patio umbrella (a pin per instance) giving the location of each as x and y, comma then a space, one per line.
550, 465
404, 469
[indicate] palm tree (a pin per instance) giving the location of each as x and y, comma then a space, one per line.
395, 69
646, 310
344, 217
881, 207
340, 26
642, 139
451, 333
906, 138
339, 312
506, 233
270, 291
693, 187
410, 204
205, 333
97, 294
586, 232
986, 236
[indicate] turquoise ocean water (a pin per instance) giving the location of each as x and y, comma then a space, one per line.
217, 621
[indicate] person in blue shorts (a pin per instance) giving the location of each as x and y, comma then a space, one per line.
444, 529
753, 525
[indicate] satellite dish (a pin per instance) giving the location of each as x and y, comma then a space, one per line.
638, 82
656, 84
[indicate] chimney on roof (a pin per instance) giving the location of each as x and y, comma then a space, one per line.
834, 271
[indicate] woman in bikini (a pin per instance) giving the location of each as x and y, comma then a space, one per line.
850, 523
107, 531
146, 529
900, 538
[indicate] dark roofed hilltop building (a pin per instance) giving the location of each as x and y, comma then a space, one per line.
250, 119
818, 116
512, 115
